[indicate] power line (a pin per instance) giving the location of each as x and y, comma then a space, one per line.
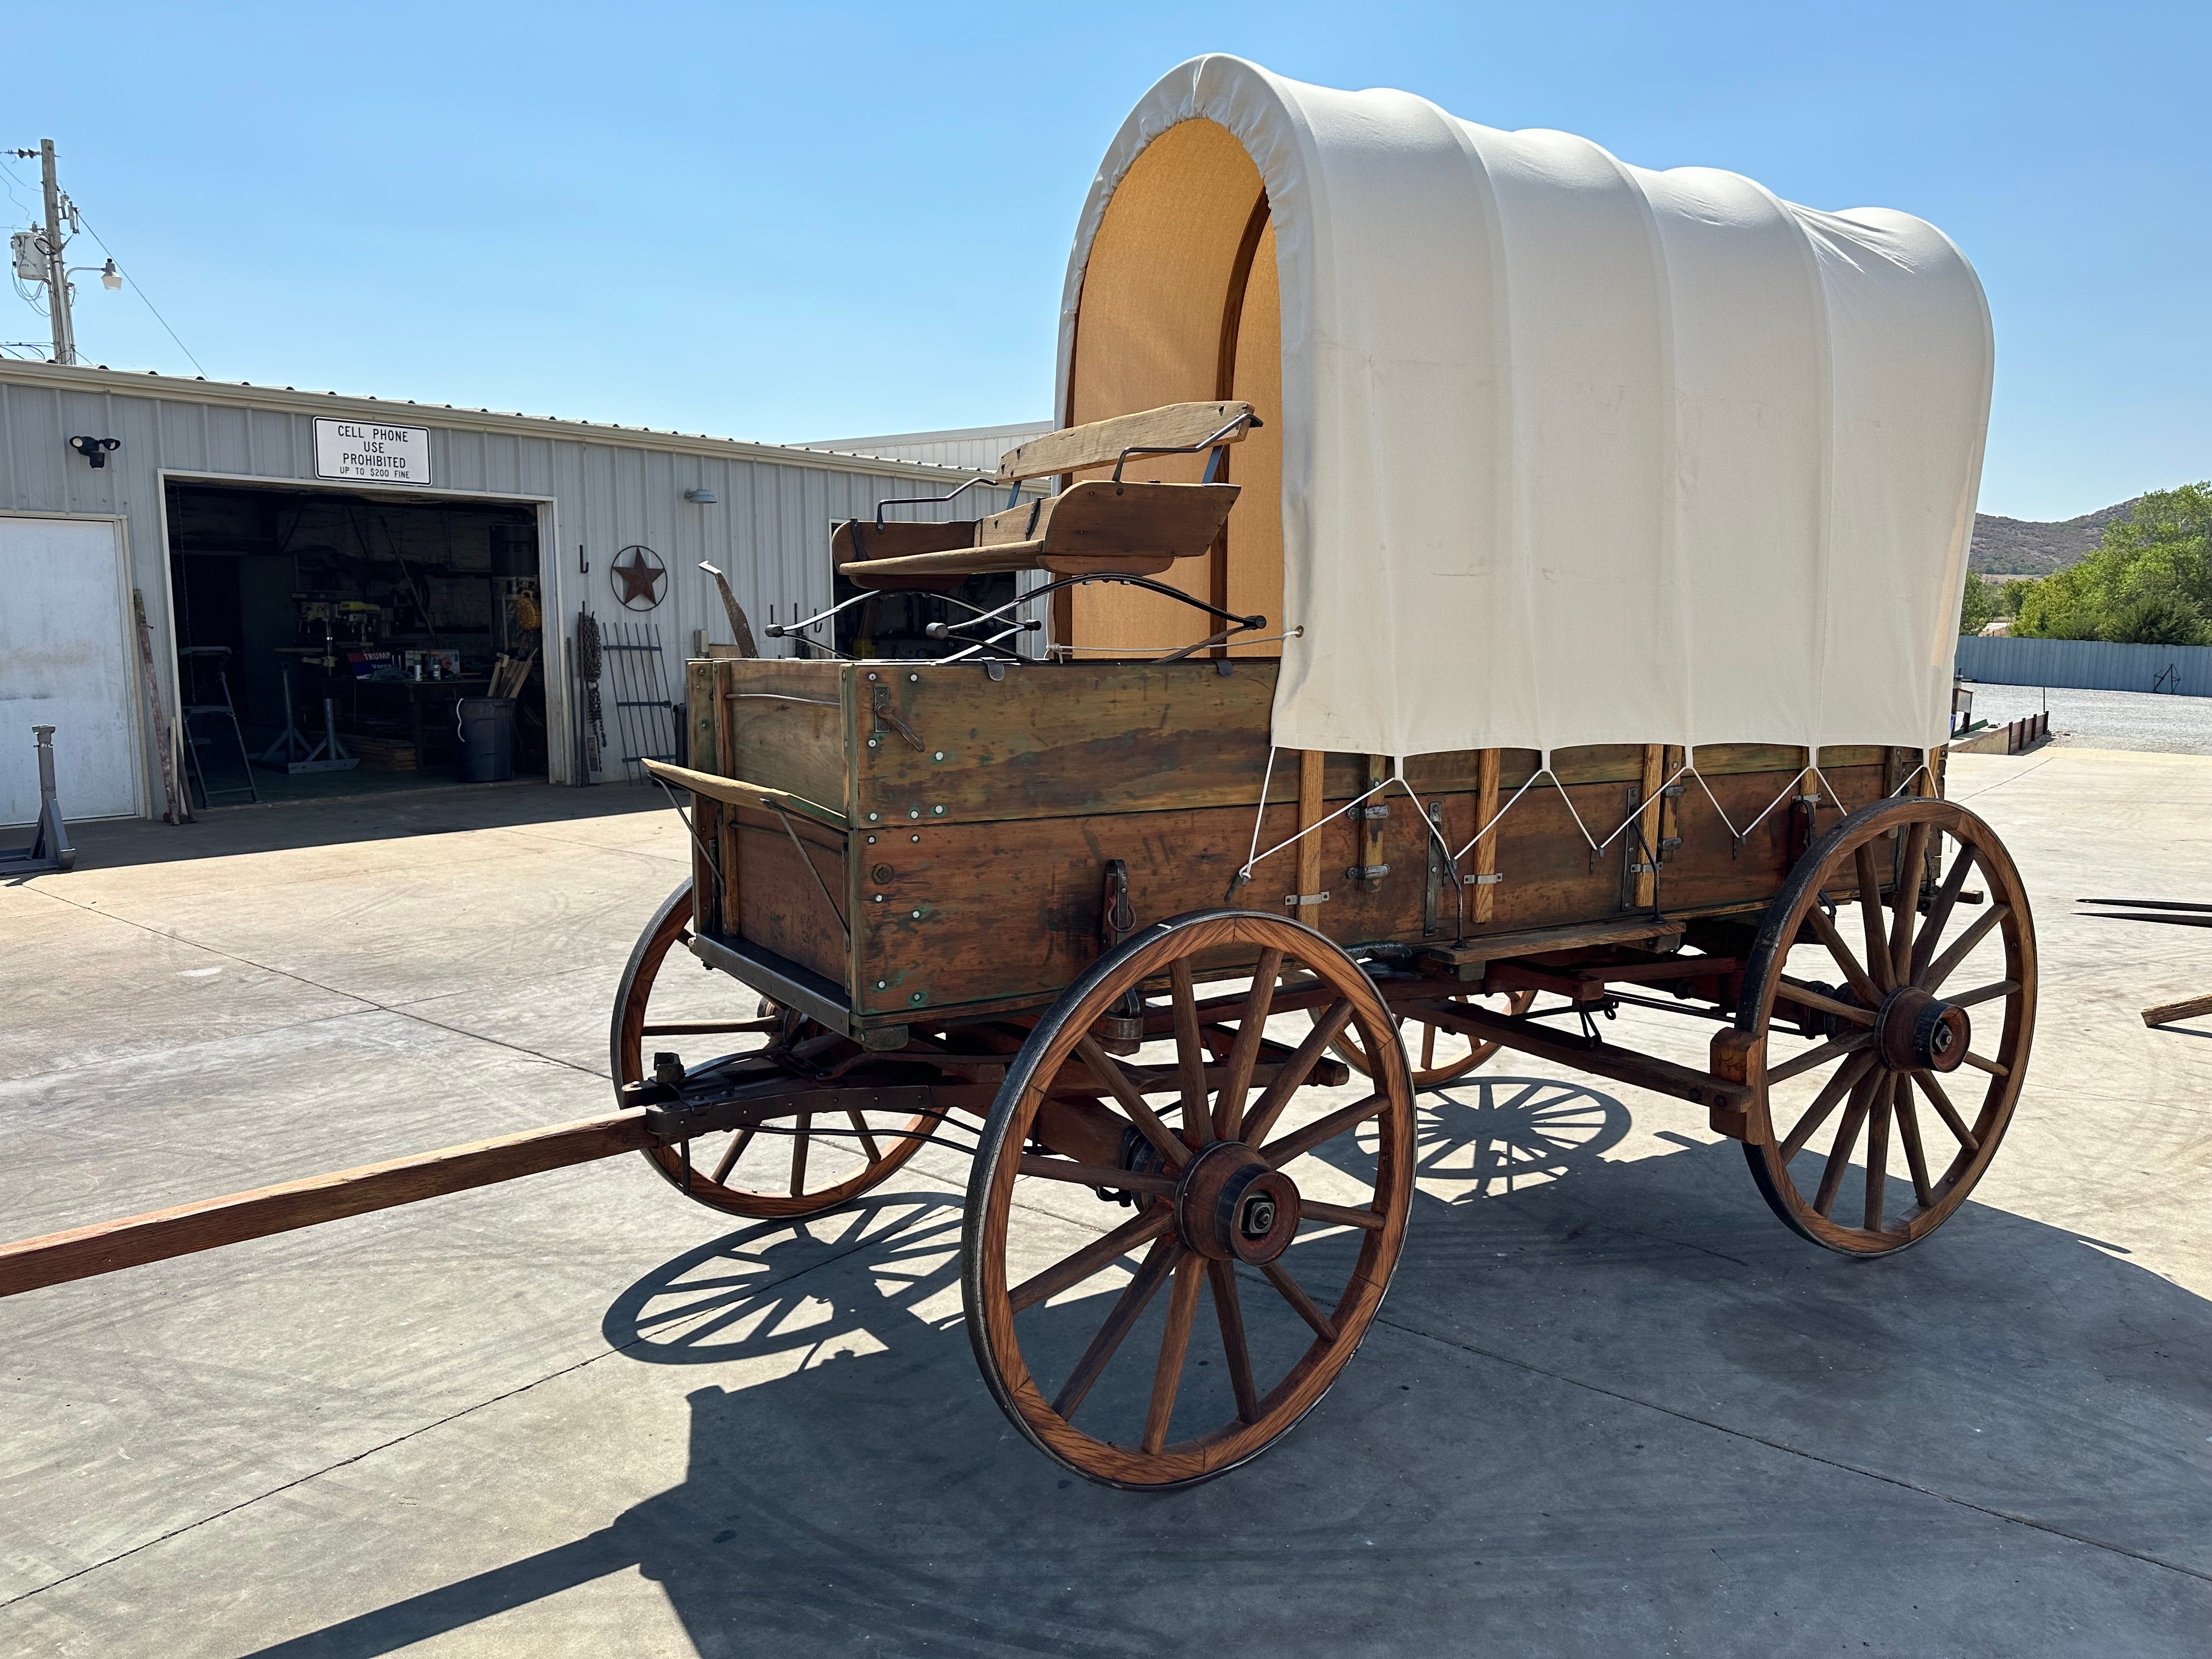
78, 215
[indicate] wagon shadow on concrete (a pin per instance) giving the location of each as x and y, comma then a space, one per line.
1592, 1376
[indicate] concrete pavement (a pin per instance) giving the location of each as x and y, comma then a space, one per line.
1613, 1407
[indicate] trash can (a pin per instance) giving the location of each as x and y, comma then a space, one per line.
485, 726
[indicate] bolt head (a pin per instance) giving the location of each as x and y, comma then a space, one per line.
875, 743
916, 997
913, 679
917, 915
873, 817
939, 754
913, 811
936, 811
883, 985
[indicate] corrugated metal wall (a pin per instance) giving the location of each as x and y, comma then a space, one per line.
974, 449
768, 529
2088, 664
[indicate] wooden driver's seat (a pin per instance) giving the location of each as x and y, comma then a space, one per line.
1098, 526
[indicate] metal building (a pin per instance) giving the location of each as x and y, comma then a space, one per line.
96, 465
971, 448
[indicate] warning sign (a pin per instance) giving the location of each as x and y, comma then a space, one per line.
368, 451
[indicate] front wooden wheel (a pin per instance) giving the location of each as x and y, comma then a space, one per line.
1285, 1208
1435, 1056
1928, 1007
785, 1169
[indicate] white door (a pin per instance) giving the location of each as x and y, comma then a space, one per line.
67, 660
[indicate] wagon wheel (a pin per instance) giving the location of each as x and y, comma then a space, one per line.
1439, 1055
1926, 1003
789, 1167
1284, 1206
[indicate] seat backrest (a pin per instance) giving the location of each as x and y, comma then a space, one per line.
1175, 426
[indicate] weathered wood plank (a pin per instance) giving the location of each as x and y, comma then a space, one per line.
83, 1252
1075, 449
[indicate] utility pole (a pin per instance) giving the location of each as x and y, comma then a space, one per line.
57, 292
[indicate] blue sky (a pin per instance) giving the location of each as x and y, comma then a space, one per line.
797, 222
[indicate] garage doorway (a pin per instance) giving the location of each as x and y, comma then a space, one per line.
340, 643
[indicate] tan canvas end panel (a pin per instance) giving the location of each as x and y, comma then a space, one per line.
1254, 567
1151, 331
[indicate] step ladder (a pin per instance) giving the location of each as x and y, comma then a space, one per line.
204, 721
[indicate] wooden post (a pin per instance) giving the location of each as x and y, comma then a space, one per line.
1370, 829
1486, 761
725, 762
1647, 851
1311, 810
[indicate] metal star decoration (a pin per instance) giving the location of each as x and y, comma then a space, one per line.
638, 574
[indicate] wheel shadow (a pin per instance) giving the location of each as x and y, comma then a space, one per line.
1592, 1374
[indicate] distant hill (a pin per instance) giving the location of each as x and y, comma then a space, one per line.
2023, 547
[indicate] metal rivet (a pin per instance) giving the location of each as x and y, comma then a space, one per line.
872, 840
936, 811
917, 915
875, 743
914, 837
913, 811
913, 679
871, 677
939, 754
873, 817
916, 997
879, 898
883, 985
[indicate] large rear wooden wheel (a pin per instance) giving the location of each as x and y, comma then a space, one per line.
786, 1169
1282, 1205
1435, 1055
1916, 1058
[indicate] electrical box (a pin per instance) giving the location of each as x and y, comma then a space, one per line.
30, 256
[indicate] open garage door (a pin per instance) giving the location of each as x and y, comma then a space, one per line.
65, 661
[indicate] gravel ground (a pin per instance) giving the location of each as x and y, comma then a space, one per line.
2105, 720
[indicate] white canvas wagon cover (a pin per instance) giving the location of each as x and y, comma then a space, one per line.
1570, 452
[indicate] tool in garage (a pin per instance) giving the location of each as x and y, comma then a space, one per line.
50, 847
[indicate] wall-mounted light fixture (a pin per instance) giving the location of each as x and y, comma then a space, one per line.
96, 450
703, 496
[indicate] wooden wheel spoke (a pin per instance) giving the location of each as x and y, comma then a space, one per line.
1939, 913
1805, 996
1877, 947
1824, 925
1230, 1313
1175, 1348
1339, 1215
1993, 1067
1877, 1157
1846, 1077
1098, 1174
1072, 1270
1190, 1051
1252, 1027
1299, 1142
867, 1140
730, 1159
1136, 1295
710, 1027
1295, 1294
1839, 1153
798, 1144
1933, 975
1108, 1070
1905, 903
2003, 988
1908, 1131
1295, 1070
1812, 1059
1428, 1048
1946, 1110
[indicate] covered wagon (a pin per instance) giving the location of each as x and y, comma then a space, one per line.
1481, 585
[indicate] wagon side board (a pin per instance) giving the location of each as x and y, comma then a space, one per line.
940, 835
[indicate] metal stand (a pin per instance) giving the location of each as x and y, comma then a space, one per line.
49, 848
293, 753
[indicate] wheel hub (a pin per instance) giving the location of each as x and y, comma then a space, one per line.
1232, 1205
1917, 1031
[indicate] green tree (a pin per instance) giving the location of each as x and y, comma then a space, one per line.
2149, 583
1979, 607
